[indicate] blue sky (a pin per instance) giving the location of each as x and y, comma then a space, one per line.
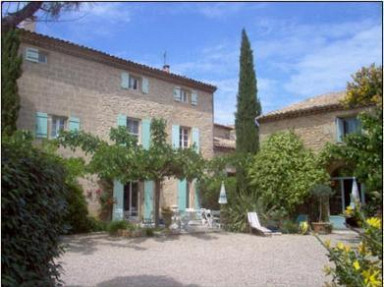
300, 49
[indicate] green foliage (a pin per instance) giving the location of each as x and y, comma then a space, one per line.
33, 209
248, 105
322, 193
77, 210
366, 87
114, 226
96, 225
362, 266
149, 232
11, 71
289, 227
210, 191
283, 172
235, 213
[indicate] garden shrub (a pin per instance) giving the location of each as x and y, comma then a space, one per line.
210, 191
96, 224
289, 227
114, 226
33, 210
362, 266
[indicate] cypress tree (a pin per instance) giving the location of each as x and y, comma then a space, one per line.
248, 107
10, 72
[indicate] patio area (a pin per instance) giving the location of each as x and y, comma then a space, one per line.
197, 259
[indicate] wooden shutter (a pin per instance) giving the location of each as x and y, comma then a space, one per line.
41, 125
118, 196
339, 129
145, 85
121, 120
182, 194
148, 199
32, 55
125, 80
74, 124
194, 98
177, 94
146, 133
196, 138
176, 136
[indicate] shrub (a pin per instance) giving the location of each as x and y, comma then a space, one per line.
77, 210
33, 209
149, 232
96, 224
210, 191
360, 267
114, 226
289, 227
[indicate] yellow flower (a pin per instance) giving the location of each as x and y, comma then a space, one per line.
347, 248
374, 222
371, 279
356, 265
340, 245
327, 270
361, 248
349, 211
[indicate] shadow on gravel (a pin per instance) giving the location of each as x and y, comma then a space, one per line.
143, 281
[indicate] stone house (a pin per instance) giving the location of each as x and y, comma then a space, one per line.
68, 86
224, 139
316, 121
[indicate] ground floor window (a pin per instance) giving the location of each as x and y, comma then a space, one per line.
131, 199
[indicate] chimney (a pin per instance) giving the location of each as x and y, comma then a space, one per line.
29, 24
166, 68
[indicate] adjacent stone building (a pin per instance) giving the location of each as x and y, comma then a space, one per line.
68, 86
317, 121
224, 139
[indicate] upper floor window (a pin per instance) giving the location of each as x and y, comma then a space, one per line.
184, 94
345, 126
57, 124
133, 82
35, 55
133, 128
184, 137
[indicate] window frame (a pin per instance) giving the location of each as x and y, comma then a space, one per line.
42, 56
138, 135
184, 143
184, 95
54, 119
136, 79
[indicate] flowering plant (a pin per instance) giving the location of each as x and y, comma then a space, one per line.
361, 265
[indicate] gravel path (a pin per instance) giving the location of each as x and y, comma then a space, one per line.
194, 260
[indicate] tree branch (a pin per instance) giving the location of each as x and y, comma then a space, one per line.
14, 19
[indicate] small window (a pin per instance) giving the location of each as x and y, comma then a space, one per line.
133, 83
184, 96
133, 128
184, 137
35, 55
57, 124
347, 126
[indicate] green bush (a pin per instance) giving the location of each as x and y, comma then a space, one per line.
149, 232
33, 208
114, 226
289, 227
96, 225
77, 218
210, 191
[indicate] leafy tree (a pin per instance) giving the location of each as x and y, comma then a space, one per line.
248, 108
124, 160
11, 71
27, 10
283, 172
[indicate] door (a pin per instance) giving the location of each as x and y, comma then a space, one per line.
131, 199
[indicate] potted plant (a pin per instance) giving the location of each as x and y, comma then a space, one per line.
321, 193
167, 214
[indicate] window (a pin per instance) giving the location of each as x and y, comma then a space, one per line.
347, 126
133, 83
184, 137
133, 128
57, 124
35, 55
184, 96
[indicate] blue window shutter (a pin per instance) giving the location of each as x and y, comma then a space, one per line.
125, 80
182, 198
177, 94
194, 98
118, 196
41, 125
176, 136
196, 138
145, 85
339, 129
74, 124
32, 55
197, 194
146, 133
148, 199
121, 120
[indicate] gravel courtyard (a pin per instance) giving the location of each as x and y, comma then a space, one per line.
205, 259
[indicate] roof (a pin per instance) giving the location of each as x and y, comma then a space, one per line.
222, 143
73, 49
324, 102
224, 126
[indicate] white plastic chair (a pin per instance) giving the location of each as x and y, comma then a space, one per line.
254, 223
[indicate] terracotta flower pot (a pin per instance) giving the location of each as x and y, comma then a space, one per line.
321, 227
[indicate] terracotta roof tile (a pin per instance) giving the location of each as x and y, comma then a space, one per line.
224, 143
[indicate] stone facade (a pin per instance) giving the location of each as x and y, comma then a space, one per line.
314, 129
224, 139
70, 85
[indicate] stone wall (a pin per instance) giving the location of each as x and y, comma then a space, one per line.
72, 86
315, 130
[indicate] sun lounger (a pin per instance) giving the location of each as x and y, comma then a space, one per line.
254, 223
